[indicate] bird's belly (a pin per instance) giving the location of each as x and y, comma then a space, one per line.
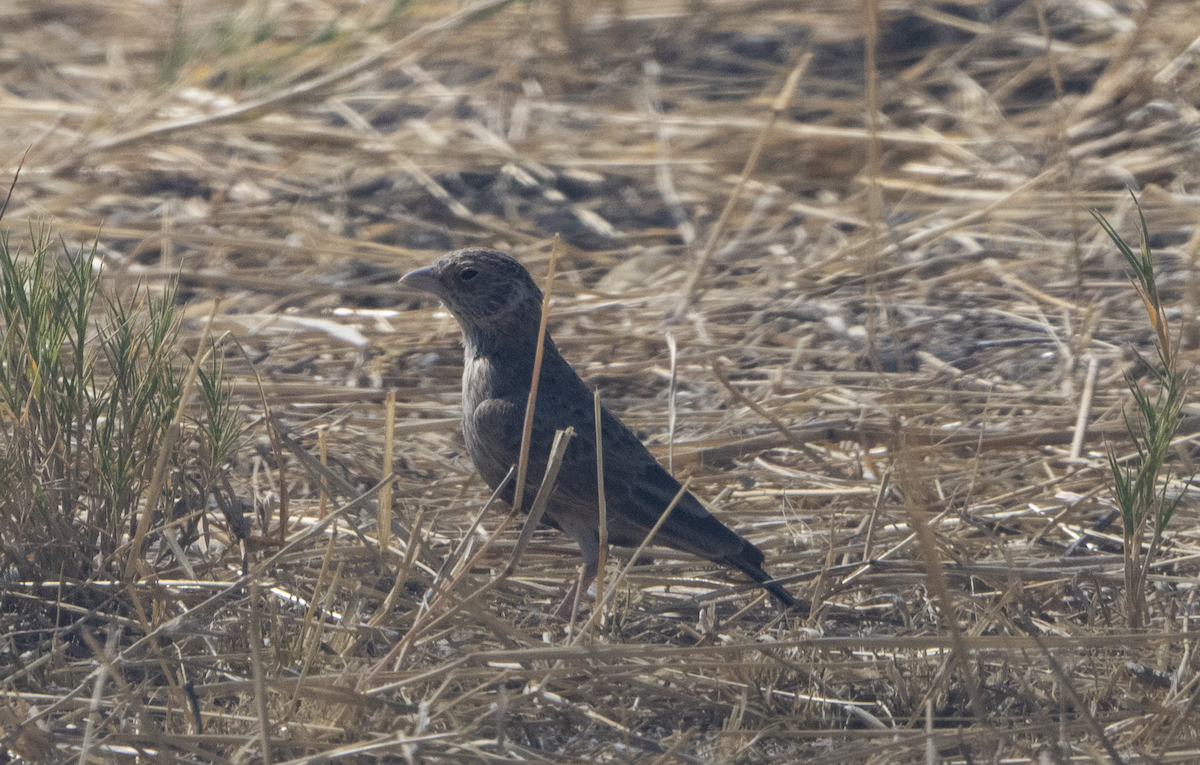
490, 468
621, 532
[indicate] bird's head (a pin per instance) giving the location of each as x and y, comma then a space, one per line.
486, 290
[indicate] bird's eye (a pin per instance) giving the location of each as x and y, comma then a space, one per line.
467, 274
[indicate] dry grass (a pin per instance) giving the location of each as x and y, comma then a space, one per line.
927, 353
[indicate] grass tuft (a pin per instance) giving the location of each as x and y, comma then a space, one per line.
1141, 487
87, 392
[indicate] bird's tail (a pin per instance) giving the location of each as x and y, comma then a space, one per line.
756, 572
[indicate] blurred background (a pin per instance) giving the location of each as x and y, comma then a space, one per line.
865, 227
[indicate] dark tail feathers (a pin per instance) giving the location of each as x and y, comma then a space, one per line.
757, 573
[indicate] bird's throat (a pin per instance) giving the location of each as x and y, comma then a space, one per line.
508, 350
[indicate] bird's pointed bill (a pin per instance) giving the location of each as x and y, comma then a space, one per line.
424, 279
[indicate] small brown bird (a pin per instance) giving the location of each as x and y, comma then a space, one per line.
499, 307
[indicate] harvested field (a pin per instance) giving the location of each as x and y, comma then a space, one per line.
904, 349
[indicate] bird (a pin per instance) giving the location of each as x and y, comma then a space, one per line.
498, 306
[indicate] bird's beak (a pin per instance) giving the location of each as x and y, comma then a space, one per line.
424, 279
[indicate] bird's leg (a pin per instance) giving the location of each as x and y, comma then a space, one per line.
588, 538
578, 590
